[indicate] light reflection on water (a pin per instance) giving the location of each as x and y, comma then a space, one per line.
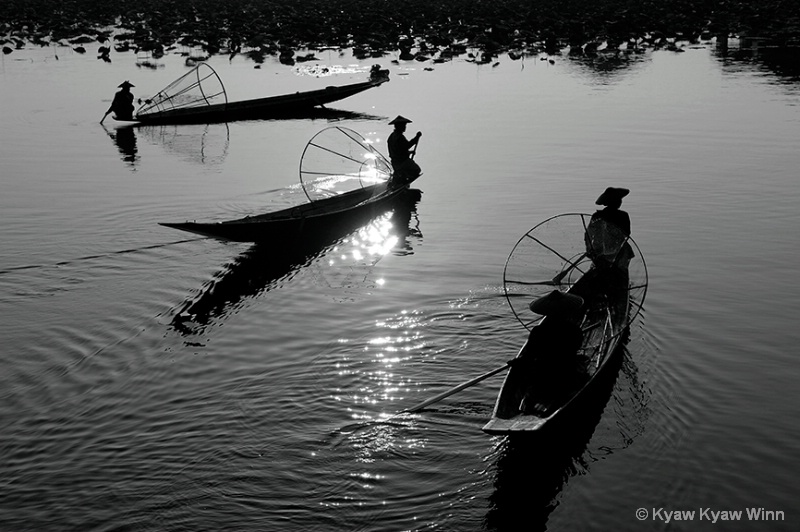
276, 399
379, 361
369, 243
259, 270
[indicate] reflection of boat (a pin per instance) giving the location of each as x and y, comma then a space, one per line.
200, 97
358, 165
261, 266
555, 253
205, 144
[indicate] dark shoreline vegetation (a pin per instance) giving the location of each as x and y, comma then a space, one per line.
422, 29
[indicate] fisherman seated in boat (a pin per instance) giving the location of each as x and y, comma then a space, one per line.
376, 73
549, 359
122, 105
608, 231
556, 340
400, 151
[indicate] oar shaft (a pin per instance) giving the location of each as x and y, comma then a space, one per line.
416, 147
557, 279
455, 390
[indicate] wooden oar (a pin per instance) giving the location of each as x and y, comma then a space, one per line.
416, 147
455, 390
471, 382
563, 273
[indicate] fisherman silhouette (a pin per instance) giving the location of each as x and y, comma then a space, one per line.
549, 358
405, 169
608, 231
122, 105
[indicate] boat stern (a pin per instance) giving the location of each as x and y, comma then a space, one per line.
517, 424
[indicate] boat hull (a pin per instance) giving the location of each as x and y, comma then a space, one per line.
319, 218
260, 108
607, 319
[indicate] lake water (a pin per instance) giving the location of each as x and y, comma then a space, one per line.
269, 410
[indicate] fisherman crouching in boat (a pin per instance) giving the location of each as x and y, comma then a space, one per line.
400, 151
549, 357
122, 105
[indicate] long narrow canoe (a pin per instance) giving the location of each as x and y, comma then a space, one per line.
269, 107
530, 397
346, 180
318, 217
546, 396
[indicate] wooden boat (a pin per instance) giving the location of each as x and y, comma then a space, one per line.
328, 211
613, 295
200, 97
317, 217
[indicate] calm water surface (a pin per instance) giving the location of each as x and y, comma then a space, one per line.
270, 408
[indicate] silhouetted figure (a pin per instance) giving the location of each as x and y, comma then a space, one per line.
611, 199
550, 354
558, 337
122, 105
608, 231
400, 151
376, 73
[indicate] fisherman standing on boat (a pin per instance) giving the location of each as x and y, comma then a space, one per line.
400, 151
611, 199
122, 105
608, 231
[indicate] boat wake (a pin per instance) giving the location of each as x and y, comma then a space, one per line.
85, 258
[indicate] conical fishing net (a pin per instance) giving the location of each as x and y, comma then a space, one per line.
199, 87
557, 252
338, 160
